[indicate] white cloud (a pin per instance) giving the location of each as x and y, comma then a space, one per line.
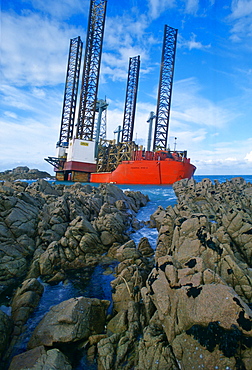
29, 144
220, 167
10, 114
241, 19
248, 156
192, 43
191, 6
30, 129
231, 159
224, 158
241, 8
159, 6
34, 49
23, 101
124, 37
61, 9
190, 106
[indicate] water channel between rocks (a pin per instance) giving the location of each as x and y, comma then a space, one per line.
98, 285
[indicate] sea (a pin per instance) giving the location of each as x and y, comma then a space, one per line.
103, 274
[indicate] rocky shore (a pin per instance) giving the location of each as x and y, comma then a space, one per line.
24, 173
186, 306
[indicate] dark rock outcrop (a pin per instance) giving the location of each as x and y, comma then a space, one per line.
6, 326
188, 306
40, 358
70, 321
194, 307
201, 285
24, 173
48, 230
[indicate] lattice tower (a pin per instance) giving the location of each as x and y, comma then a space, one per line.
71, 91
91, 70
165, 89
131, 97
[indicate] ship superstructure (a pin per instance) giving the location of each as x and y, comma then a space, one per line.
84, 154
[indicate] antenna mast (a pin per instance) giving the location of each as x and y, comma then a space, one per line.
165, 88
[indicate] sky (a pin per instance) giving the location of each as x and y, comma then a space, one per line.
211, 109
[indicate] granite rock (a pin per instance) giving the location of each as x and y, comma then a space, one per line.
70, 321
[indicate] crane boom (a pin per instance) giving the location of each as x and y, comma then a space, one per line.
91, 70
131, 97
71, 91
165, 89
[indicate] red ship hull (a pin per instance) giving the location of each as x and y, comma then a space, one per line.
147, 172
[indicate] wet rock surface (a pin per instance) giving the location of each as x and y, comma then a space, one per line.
50, 231
39, 358
70, 321
185, 306
194, 307
201, 285
6, 327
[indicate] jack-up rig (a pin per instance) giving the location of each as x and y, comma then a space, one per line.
83, 153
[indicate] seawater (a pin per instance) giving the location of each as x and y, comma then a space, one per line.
99, 283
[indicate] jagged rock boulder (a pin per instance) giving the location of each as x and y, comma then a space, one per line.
154, 349
25, 301
6, 326
24, 173
132, 273
18, 221
39, 359
70, 321
111, 228
77, 224
79, 242
199, 227
205, 311
145, 248
120, 349
13, 266
201, 285
53, 230
191, 354
227, 204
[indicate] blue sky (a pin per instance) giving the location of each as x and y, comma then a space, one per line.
211, 112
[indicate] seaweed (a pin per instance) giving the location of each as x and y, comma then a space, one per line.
229, 340
191, 263
245, 324
249, 232
237, 301
163, 266
193, 291
150, 281
211, 244
239, 365
181, 220
202, 236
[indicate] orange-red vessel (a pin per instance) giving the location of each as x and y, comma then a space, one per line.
159, 168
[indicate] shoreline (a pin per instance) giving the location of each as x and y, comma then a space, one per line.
200, 274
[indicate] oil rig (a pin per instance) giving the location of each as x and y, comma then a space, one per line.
83, 152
